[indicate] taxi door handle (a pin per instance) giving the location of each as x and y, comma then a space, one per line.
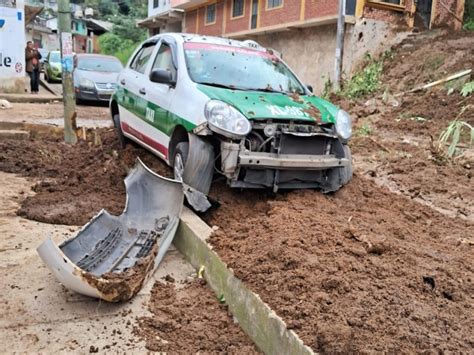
122, 81
142, 91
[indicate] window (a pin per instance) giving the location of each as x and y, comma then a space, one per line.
239, 68
396, 2
141, 59
210, 14
274, 3
238, 8
396, 5
164, 60
155, 4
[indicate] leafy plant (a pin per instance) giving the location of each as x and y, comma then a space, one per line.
327, 89
454, 133
365, 81
467, 89
469, 25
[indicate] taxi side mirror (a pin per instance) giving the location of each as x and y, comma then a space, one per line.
162, 76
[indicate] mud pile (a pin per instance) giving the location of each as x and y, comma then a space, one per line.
361, 270
75, 182
367, 269
189, 319
398, 146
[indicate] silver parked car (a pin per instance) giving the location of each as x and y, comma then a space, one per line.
95, 76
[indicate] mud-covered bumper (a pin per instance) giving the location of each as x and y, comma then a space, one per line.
313, 161
291, 161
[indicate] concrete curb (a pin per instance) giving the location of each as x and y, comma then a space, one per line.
22, 98
14, 134
260, 323
34, 130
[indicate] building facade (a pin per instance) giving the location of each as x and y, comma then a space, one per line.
304, 31
12, 46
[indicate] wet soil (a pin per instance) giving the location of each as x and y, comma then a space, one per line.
364, 269
75, 182
427, 57
360, 270
190, 320
375, 266
44, 112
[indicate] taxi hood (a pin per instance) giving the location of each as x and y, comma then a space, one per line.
260, 105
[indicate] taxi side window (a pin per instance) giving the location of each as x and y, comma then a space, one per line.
140, 61
164, 60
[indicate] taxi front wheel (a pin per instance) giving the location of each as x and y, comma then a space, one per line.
193, 163
179, 161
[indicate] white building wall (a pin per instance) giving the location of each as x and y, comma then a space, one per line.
162, 6
12, 52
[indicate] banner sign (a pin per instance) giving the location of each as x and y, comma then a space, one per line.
12, 43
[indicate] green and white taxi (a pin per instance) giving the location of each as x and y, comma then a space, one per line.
207, 104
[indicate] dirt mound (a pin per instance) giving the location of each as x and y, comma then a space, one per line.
427, 57
75, 182
361, 270
190, 320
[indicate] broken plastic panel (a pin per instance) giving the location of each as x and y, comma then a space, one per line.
112, 256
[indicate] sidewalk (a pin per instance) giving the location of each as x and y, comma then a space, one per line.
27, 97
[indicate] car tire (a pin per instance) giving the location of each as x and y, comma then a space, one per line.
122, 139
179, 160
46, 77
346, 172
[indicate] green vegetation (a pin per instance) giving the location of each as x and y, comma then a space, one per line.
125, 35
469, 16
467, 89
364, 130
327, 90
366, 81
457, 133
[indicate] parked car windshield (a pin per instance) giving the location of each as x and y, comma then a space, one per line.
54, 57
99, 64
239, 68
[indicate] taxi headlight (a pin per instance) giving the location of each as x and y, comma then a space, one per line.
226, 120
343, 124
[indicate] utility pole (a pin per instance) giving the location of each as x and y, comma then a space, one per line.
64, 25
339, 44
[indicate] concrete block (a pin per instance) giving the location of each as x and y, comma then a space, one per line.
14, 134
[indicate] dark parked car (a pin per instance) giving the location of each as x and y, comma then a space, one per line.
95, 76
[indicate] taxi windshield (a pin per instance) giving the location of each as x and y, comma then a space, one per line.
239, 68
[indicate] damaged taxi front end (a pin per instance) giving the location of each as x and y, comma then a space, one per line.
279, 140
